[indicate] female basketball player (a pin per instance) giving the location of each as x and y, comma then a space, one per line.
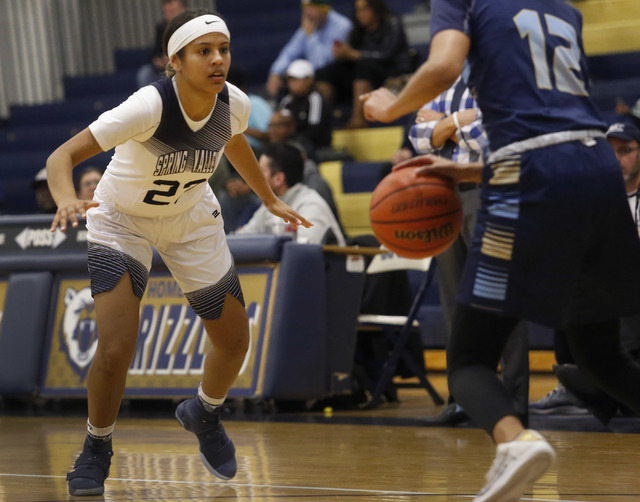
542, 250
169, 137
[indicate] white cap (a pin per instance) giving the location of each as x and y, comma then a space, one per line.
41, 176
300, 68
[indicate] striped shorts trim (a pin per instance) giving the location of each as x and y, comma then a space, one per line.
208, 302
107, 266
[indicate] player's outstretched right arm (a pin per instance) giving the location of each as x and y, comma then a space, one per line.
60, 166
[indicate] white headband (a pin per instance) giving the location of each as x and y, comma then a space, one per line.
195, 28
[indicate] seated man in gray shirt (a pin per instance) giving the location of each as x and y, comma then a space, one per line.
282, 165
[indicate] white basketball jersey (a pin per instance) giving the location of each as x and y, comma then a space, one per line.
163, 159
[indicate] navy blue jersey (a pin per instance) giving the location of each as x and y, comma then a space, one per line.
528, 67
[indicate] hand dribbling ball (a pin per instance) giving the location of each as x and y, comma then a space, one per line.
415, 216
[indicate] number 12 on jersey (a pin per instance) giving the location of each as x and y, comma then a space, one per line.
566, 59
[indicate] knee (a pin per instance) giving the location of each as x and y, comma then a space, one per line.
238, 346
233, 349
113, 358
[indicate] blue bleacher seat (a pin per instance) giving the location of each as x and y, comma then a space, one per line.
360, 177
402, 7
131, 59
77, 109
17, 171
619, 66
605, 94
121, 82
28, 138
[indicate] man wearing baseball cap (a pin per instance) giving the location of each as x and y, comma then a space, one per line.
313, 41
313, 114
625, 140
44, 199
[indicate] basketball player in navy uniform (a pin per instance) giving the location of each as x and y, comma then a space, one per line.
554, 241
169, 137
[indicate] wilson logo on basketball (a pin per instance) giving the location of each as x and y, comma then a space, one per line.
408, 205
430, 235
415, 216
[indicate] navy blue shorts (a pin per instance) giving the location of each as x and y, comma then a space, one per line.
555, 242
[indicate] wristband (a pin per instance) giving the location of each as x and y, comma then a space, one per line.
456, 121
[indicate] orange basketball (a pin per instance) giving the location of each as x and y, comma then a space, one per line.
415, 217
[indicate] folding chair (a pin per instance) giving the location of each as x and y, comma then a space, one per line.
391, 262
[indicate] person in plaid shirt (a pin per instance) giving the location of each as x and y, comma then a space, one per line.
451, 126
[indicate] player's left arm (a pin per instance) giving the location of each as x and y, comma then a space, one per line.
244, 160
449, 49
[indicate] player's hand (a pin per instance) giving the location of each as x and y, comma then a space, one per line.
69, 211
426, 165
289, 216
377, 103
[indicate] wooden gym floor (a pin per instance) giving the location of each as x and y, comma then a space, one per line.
351, 455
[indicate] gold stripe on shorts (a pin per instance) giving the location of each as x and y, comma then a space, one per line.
506, 171
498, 242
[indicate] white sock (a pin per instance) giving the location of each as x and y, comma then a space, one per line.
210, 403
103, 433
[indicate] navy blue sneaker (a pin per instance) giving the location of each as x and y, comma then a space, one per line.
91, 468
216, 449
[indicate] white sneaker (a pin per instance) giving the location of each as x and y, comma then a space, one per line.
517, 465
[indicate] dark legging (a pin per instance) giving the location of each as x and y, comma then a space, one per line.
477, 341
561, 347
476, 344
598, 352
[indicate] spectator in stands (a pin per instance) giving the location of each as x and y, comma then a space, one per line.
87, 182
554, 242
310, 110
154, 70
282, 165
261, 110
376, 49
44, 199
282, 129
237, 201
625, 140
313, 41
451, 126
574, 387
631, 114
168, 140
560, 400
406, 150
